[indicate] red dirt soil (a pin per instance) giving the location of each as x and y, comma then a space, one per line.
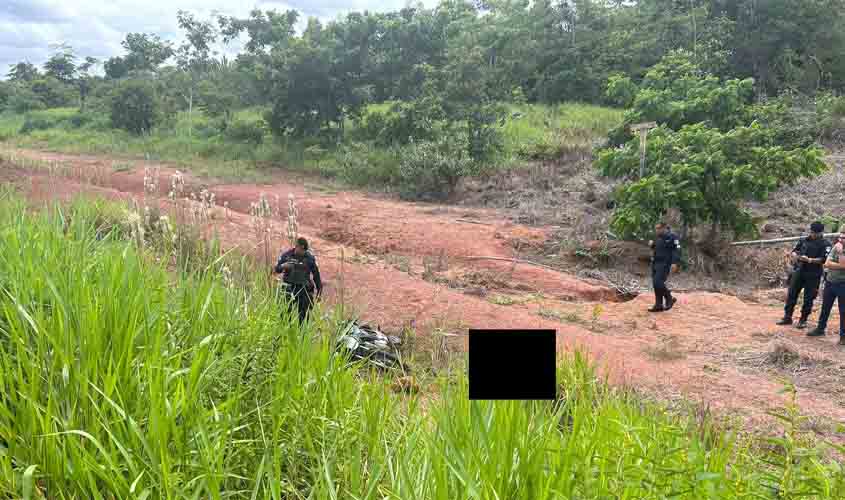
705, 330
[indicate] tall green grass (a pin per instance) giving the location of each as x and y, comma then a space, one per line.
537, 130
123, 378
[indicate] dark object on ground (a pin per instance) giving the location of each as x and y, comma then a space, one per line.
365, 343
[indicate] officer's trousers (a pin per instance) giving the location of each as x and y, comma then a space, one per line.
301, 297
832, 292
659, 274
797, 282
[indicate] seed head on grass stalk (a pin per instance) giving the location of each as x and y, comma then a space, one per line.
293, 220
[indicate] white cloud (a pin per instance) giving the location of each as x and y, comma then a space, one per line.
96, 27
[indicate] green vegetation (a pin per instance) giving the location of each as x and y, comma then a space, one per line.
480, 83
244, 148
123, 379
709, 155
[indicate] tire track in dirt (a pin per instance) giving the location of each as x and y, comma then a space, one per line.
394, 299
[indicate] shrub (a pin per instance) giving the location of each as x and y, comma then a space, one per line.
360, 164
32, 123
620, 91
80, 120
245, 131
133, 107
401, 123
431, 170
831, 112
24, 100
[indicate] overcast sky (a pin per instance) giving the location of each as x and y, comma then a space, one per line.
96, 27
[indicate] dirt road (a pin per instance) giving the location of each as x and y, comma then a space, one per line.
408, 264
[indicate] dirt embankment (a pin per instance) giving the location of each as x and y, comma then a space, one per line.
408, 264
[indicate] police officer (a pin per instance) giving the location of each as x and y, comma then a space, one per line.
834, 289
297, 266
665, 260
808, 259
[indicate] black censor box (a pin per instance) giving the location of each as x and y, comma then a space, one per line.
512, 364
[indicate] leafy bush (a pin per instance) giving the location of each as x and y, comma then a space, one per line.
80, 120
789, 124
482, 128
676, 92
52, 93
705, 173
245, 131
35, 123
24, 100
133, 107
712, 151
5, 94
402, 122
431, 170
361, 164
53, 118
620, 91
831, 112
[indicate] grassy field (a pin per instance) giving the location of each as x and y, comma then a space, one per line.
126, 376
533, 130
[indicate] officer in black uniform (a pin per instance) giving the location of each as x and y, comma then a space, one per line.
297, 266
665, 260
807, 258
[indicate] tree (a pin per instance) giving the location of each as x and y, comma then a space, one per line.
133, 107
677, 92
703, 160
6, 92
194, 57
61, 66
218, 93
116, 68
23, 72
84, 80
145, 53
51, 92
22, 99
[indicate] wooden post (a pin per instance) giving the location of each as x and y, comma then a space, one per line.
643, 129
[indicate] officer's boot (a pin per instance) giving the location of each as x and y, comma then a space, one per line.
842, 340
802, 323
816, 332
658, 302
785, 321
670, 301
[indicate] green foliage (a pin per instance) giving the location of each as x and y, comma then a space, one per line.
705, 173
620, 91
51, 92
134, 108
363, 164
6, 92
250, 132
830, 111
431, 170
402, 122
23, 100
53, 118
676, 92
189, 383
22, 72
61, 66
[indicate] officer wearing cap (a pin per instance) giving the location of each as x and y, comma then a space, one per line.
808, 259
297, 267
664, 261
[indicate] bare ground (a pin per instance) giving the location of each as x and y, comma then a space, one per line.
409, 264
